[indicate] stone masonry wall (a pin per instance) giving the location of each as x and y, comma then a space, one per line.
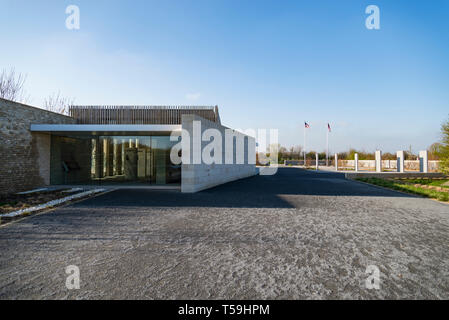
25, 156
197, 177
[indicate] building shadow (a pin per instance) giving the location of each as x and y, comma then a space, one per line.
253, 192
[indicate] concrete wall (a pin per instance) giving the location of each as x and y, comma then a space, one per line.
197, 177
24, 156
309, 162
411, 165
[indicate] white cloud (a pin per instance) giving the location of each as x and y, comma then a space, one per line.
193, 96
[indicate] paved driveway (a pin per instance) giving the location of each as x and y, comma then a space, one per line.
297, 234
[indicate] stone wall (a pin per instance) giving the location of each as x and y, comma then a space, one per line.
309, 162
411, 165
24, 156
197, 177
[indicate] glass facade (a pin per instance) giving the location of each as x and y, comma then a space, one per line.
113, 160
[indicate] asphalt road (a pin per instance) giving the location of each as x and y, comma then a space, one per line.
295, 235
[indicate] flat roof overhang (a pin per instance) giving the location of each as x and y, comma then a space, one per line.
106, 129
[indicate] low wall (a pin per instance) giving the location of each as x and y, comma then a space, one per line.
24, 156
411, 165
197, 177
387, 164
309, 162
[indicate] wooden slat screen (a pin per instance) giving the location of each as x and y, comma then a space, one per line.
139, 114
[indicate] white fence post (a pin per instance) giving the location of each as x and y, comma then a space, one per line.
400, 161
336, 162
424, 161
378, 161
356, 162
316, 162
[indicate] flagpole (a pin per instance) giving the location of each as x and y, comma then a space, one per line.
327, 147
304, 144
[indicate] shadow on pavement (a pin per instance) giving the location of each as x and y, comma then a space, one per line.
254, 192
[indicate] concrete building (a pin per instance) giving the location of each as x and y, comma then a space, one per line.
116, 145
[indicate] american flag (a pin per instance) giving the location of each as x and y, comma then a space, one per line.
329, 127
306, 125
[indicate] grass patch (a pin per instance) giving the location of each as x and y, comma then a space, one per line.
429, 182
403, 185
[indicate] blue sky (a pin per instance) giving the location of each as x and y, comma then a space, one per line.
266, 64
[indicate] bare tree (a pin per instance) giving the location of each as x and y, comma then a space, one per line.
433, 151
11, 85
58, 103
296, 151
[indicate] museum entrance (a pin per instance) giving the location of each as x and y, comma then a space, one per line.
109, 160
142, 159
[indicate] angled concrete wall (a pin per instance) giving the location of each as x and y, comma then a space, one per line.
200, 176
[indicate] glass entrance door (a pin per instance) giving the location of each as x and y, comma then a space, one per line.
140, 159
117, 160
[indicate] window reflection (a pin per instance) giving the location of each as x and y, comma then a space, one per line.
115, 159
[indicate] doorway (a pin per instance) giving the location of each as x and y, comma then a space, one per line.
109, 160
137, 159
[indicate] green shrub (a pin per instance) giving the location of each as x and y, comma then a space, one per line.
443, 148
